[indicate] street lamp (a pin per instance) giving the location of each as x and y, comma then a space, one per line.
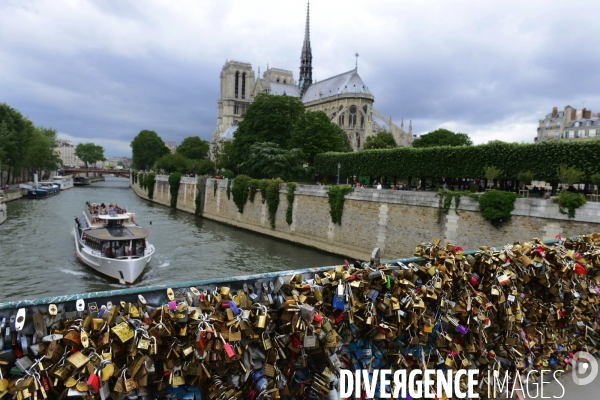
339, 166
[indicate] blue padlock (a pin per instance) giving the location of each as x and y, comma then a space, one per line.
258, 375
339, 299
234, 308
372, 294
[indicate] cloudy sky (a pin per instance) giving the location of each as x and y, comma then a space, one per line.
104, 70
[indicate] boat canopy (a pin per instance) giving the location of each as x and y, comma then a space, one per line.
118, 233
112, 216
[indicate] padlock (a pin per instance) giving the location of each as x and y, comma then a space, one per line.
338, 299
310, 341
227, 347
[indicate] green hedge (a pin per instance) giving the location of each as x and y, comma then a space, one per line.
467, 162
240, 191
291, 188
174, 182
336, 202
497, 205
570, 201
149, 180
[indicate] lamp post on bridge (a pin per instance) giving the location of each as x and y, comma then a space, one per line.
339, 166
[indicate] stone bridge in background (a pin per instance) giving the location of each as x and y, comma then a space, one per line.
125, 173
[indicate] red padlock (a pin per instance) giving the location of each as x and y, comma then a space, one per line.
296, 343
93, 383
317, 318
228, 349
339, 318
252, 394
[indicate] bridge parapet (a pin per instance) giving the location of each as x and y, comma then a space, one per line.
125, 173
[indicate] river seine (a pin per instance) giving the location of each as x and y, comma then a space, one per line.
37, 253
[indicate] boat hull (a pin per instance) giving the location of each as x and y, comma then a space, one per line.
80, 181
42, 193
122, 270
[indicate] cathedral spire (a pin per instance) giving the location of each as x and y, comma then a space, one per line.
305, 78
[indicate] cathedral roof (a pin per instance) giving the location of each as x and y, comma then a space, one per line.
281, 89
346, 83
228, 134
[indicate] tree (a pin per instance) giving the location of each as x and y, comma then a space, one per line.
203, 167
314, 133
146, 148
268, 118
569, 175
89, 153
193, 148
16, 134
173, 162
269, 160
41, 153
443, 137
383, 140
224, 157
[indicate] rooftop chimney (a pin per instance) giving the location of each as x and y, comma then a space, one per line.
554, 112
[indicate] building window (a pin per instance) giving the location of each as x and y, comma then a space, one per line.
566, 135
545, 134
239, 108
557, 134
244, 85
341, 120
577, 124
547, 124
576, 135
352, 117
357, 142
587, 133
589, 123
557, 124
362, 122
597, 132
237, 78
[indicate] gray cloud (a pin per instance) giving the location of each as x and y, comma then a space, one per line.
102, 71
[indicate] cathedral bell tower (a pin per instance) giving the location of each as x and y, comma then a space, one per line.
305, 79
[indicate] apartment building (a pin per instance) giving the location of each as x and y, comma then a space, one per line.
570, 124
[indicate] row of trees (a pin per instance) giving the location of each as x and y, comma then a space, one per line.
191, 157
511, 161
439, 137
24, 146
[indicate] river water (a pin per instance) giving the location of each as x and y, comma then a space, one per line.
37, 253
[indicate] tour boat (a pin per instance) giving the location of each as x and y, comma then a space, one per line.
64, 182
2, 210
81, 181
112, 244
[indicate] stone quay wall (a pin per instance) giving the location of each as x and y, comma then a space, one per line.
162, 194
394, 221
13, 194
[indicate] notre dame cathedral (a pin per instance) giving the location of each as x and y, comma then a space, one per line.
344, 98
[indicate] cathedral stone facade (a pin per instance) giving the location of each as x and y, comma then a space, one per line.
344, 98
